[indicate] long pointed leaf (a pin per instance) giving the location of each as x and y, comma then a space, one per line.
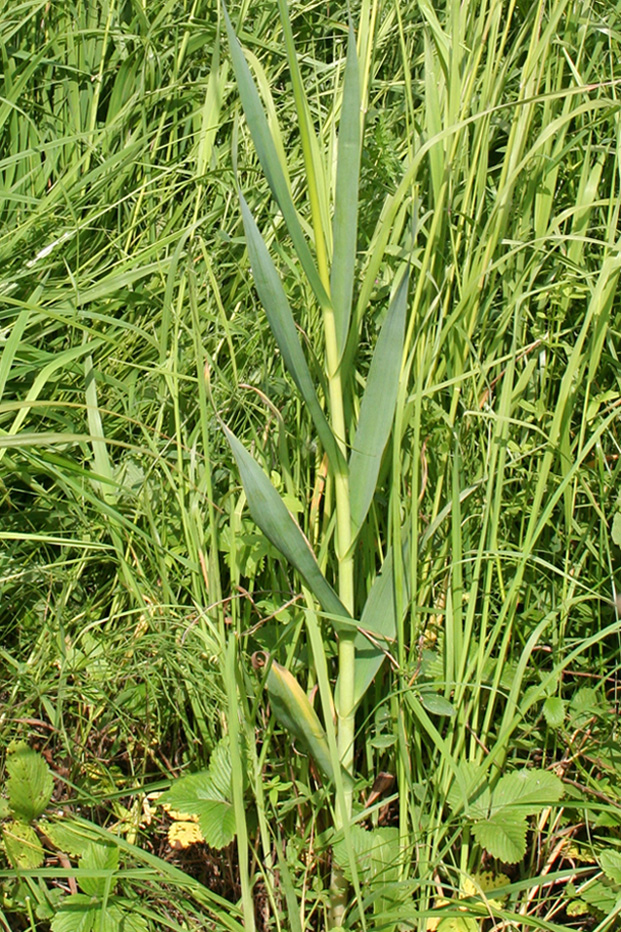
293, 710
271, 514
268, 156
346, 199
377, 408
280, 317
379, 618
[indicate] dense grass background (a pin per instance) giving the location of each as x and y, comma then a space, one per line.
491, 160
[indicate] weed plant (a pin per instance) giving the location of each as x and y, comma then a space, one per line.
257, 224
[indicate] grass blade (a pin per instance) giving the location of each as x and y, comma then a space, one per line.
101, 459
377, 408
271, 515
268, 156
345, 225
281, 321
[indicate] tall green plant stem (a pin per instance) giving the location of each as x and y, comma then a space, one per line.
344, 555
344, 699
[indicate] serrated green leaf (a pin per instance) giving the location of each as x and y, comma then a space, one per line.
377, 408
504, 837
554, 711
458, 924
271, 515
468, 794
208, 795
293, 710
123, 912
282, 324
531, 790
98, 857
217, 823
30, 784
610, 861
436, 704
67, 837
602, 895
23, 848
375, 851
78, 914
219, 770
345, 222
196, 795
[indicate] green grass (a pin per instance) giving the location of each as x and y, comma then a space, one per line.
136, 585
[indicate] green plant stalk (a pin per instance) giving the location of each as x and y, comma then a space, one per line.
344, 700
344, 555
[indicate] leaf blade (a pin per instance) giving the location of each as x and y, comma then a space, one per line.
271, 515
377, 408
282, 324
345, 221
268, 156
293, 710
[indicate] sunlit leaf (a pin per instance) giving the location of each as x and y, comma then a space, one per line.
528, 789
30, 784
280, 318
98, 857
377, 407
293, 710
270, 513
502, 836
23, 848
345, 224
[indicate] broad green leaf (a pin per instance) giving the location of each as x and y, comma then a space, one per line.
602, 896
616, 529
124, 913
345, 224
504, 837
98, 857
554, 711
377, 408
531, 790
376, 853
271, 515
67, 837
196, 795
30, 784
469, 794
610, 861
293, 710
207, 795
436, 704
280, 318
268, 156
458, 924
23, 848
78, 914
219, 769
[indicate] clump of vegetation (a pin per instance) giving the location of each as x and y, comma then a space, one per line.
309, 465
